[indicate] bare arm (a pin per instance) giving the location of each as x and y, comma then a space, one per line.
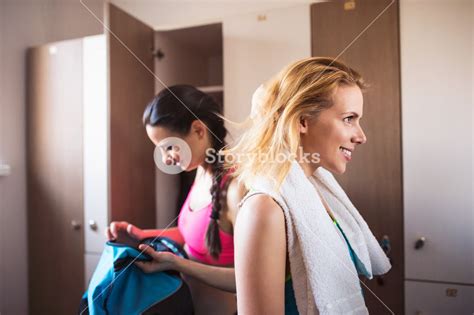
126, 233
172, 233
260, 257
219, 277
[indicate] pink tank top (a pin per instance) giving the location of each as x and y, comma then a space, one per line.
193, 225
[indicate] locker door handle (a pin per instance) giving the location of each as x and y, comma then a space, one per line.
93, 225
420, 243
75, 225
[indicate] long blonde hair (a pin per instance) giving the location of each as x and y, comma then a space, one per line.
302, 89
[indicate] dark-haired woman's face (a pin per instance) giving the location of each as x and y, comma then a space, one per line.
197, 140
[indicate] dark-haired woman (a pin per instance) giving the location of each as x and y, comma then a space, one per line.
207, 217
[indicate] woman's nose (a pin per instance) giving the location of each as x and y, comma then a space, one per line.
360, 137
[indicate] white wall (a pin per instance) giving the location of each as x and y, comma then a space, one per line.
23, 24
254, 51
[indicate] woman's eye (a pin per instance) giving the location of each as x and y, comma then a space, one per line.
347, 119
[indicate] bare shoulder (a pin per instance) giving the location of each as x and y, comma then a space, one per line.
262, 210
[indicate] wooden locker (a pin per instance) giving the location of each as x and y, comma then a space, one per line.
373, 181
131, 87
89, 157
54, 185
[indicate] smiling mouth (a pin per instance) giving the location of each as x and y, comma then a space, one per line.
347, 153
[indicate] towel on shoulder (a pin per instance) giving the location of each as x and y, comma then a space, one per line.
325, 279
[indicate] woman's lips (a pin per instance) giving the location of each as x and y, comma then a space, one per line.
346, 153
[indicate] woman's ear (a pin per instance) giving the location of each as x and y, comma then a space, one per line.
303, 125
198, 128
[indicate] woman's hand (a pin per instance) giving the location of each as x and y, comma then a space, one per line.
162, 261
124, 233
222, 278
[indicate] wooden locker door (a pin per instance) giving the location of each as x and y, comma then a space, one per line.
55, 186
131, 87
373, 179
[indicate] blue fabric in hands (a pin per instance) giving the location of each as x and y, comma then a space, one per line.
118, 286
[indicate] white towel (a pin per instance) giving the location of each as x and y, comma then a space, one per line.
324, 277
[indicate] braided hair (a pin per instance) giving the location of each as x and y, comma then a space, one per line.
166, 110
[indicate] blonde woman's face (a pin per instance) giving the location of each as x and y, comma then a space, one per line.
336, 132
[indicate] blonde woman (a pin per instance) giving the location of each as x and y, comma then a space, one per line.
299, 242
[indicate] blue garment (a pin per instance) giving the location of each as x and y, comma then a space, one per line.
119, 287
351, 251
290, 300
